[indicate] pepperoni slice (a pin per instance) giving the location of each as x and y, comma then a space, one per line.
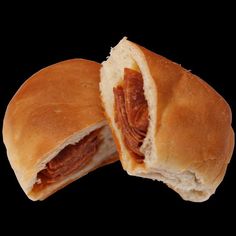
131, 112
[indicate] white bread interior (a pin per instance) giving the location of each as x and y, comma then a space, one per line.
195, 180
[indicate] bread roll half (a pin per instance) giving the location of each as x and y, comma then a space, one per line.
54, 129
168, 124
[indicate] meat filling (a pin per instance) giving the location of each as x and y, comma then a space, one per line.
131, 112
71, 158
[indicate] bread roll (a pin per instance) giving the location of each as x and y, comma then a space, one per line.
168, 124
54, 129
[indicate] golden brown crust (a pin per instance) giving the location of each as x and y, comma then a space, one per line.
193, 120
50, 106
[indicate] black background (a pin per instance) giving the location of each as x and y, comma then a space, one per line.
197, 37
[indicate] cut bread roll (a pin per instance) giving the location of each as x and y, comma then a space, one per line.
54, 129
168, 124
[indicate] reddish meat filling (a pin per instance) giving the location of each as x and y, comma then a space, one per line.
131, 111
71, 158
